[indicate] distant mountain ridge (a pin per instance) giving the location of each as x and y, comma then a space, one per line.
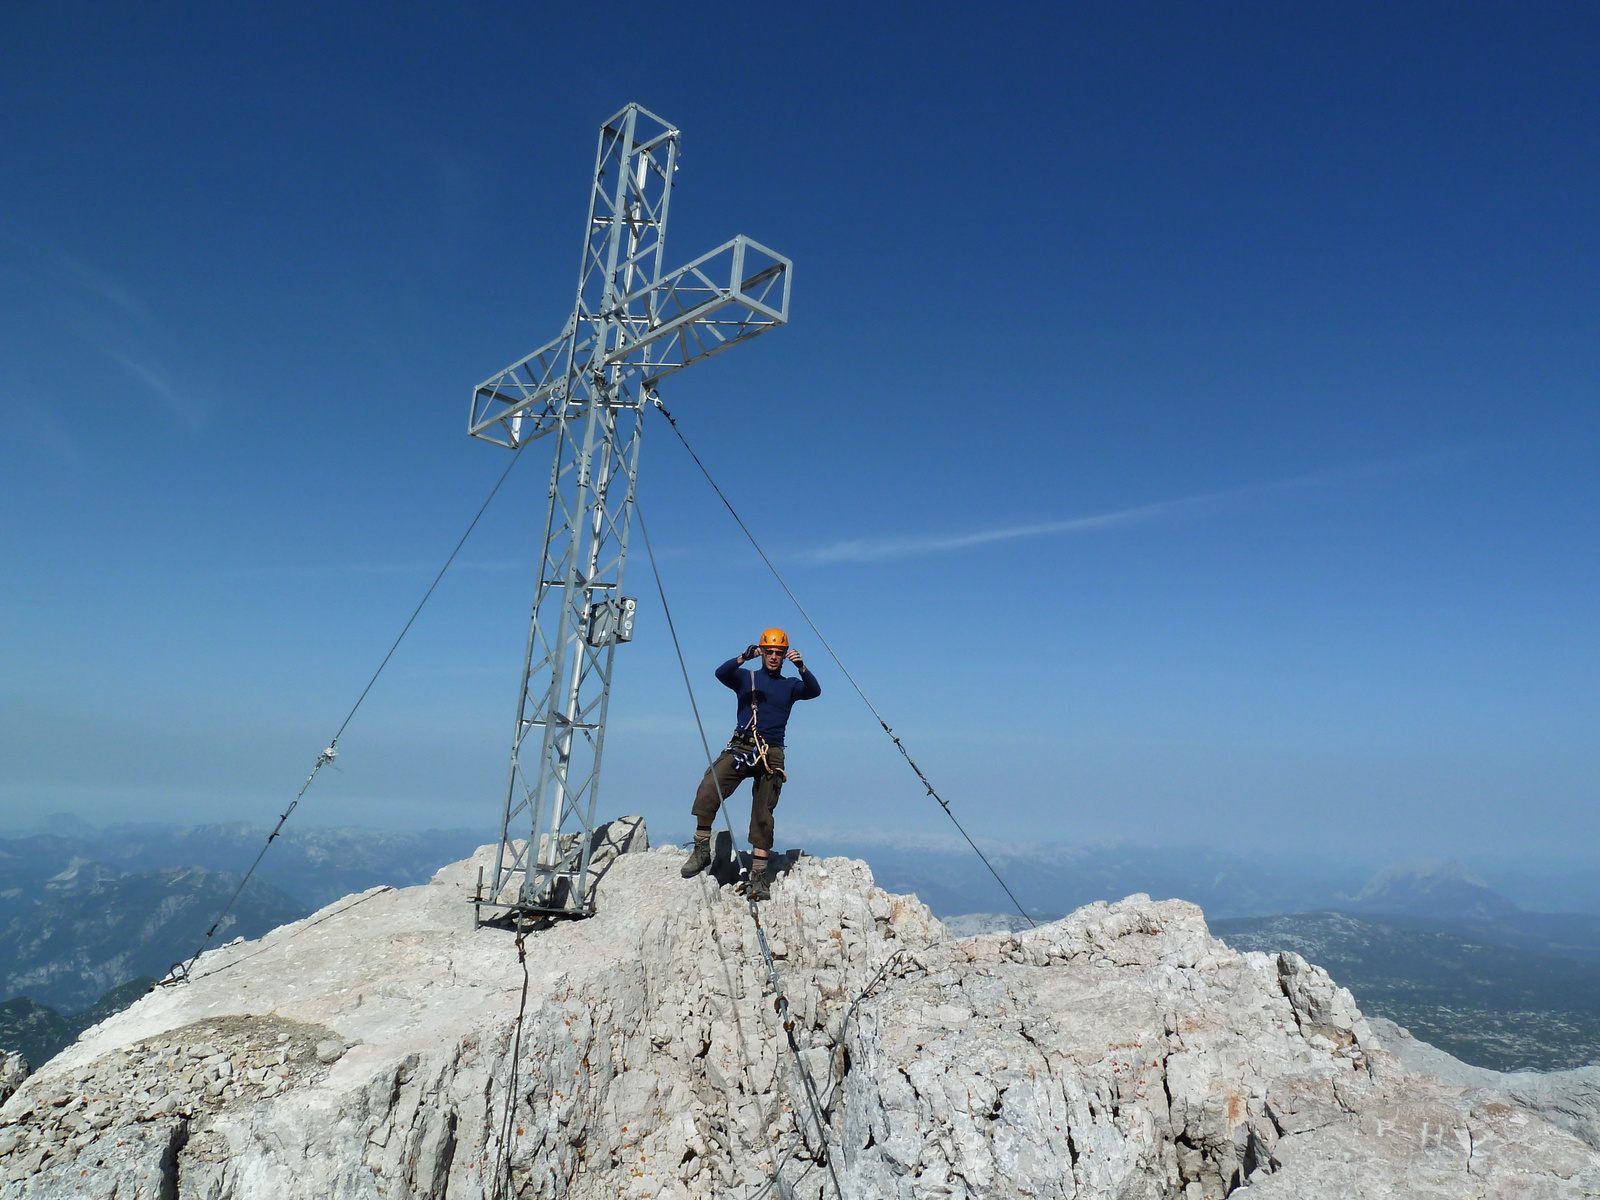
1057, 879
1490, 1004
1431, 887
1052, 879
85, 910
80, 935
38, 1032
1447, 892
315, 865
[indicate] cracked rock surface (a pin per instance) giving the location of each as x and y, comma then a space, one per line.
371, 1051
1570, 1099
13, 1070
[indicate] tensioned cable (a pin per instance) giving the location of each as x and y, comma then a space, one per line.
502, 1178
761, 934
943, 803
682, 665
180, 971
473, 524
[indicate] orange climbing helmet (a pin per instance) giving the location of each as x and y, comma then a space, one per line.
775, 639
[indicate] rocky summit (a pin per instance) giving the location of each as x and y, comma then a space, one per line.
383, 1047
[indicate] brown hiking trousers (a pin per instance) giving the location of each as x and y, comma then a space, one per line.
727, 776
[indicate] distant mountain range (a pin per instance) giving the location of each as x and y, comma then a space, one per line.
85, 911
1487, 1002
1050, 880
1053, 879
1429, 887
68, 940
314, 866
38, 1032
1431, 946
1448, 892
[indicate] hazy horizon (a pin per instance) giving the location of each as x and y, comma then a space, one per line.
1551, 883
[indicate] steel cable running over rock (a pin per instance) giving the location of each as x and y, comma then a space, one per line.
501, 1183
781, 1002
179, 972
800, 608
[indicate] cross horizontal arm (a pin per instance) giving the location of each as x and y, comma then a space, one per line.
527, 393
728, 296
688, 310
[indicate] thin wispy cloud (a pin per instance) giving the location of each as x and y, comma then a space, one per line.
416, 568
864, 550
39, 426
179, 406
116, 321
879, 549
112, 292
375, 567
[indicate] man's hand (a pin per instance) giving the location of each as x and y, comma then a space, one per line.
794, 657
750, 651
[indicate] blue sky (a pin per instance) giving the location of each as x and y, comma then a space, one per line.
1186, 429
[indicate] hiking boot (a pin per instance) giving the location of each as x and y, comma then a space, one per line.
759, 887
699, 860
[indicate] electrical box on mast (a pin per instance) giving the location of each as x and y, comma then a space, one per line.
612, 621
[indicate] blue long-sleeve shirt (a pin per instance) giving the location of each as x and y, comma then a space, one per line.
774, 694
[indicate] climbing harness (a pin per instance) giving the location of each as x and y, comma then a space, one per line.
179, 972
745, 754
750, 749
899, 745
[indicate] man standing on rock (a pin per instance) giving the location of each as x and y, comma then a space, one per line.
756, 751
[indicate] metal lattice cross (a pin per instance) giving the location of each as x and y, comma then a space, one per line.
630, 328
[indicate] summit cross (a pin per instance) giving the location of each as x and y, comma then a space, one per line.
631, 327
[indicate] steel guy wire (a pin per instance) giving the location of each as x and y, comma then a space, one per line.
943, 803
782, 1003
303, 926
179, 972
508, 1120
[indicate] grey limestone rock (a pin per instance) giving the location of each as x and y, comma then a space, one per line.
1119, 1052
970, 924
1570, 1099
13, 1070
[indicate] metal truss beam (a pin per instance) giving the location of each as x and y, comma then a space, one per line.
686, 320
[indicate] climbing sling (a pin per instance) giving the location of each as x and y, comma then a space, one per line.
748, 751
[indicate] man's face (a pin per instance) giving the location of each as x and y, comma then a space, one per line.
771, 657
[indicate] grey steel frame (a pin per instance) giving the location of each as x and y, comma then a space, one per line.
631, 327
